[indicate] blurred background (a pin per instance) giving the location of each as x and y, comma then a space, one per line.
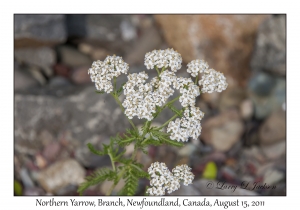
57, 112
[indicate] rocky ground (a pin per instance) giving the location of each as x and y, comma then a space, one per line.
57, 111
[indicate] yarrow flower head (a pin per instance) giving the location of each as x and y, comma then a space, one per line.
189, 91
142, 98
102, 72
162, 179
183, 172
188, 126
197, 66
163, 59
213, 81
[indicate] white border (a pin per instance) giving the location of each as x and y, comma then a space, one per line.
8, 8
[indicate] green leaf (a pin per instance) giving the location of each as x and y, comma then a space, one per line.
175, 110
94, 151
119, 91
118, 157
164, 138
18, 190
153, 142
172, 142
210, 171
133, 172
97, 177
128, 137
100, 92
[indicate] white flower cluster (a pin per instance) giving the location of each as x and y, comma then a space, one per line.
162, 179
138, 102
197, 66
188, 126
102, 72
189, 91
163, 58
183, 172
141, 99
212, 81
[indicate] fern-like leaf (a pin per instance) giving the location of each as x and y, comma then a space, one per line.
133, 172
94, 151
164, 138
97, 177
128, 137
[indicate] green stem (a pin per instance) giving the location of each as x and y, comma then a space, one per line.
115, 83
167, 104
133, 156
115, 184
166, 123
122, 173
112, 161
196, 80
170, 102
157, 71
146, 140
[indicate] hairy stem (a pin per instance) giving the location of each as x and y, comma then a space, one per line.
196, 80
115, 83
170, 102
115, 184
122, 173
112, 161
157, 70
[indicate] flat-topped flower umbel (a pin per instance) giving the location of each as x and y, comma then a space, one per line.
146, 100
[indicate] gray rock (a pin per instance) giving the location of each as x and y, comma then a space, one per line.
33, 191
246, 109
187, 150
262, 84
223, 131
275, 151
128, 31
273, 129
51, 151
254, 153
80, 75
104, 27
23, 79
149, 41
273, 176
231, 97
59, 82
37, 30
270, 47
83, 114
267, 94
67, 190
43, 57
61, 174
101, 28
72, 57
26, 179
